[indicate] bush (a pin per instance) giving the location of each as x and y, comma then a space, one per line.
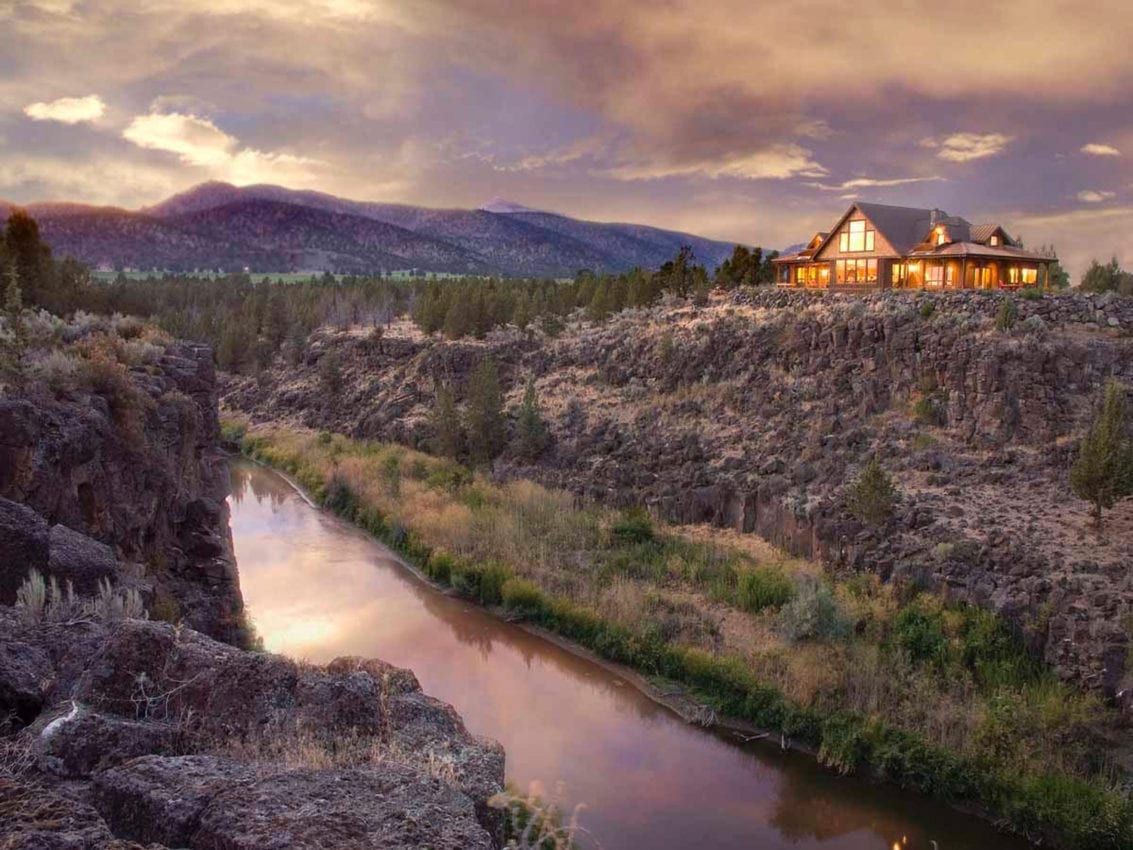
814, 614
921, 634
634, 527
872, 496
519, 594
1031, 293
1007, 316
764, 587
927, 411
928, 308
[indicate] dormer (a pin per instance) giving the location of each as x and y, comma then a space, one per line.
992, 235
816, 240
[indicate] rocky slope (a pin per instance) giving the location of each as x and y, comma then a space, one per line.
757, 411
274, 229
118, 731
149, 734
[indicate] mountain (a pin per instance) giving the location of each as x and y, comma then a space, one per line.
274, 229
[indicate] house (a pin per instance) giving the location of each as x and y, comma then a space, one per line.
877, 246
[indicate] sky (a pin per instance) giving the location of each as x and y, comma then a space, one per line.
753, 122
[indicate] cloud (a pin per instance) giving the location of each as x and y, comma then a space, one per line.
965, 147
69, 110
1096, 149
777, 162
1094, 196
200, 143
874, 183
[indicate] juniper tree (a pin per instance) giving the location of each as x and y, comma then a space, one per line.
484, 416
1102, 473
531, 430
872, 495
448, 439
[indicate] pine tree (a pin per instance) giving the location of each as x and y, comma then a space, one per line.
598, 310
330, 373
484, 416
448, 440
872, 495
1102, 473
532, 435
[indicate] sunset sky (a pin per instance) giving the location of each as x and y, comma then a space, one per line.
729, 118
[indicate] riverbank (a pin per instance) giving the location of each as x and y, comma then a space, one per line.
643, 597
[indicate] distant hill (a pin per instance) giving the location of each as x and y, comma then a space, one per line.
275, 229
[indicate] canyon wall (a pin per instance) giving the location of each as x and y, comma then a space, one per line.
152, 490
758, 410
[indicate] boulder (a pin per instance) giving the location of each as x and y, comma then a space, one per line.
160, 798
79, 742
80, 560
384, 808
26, 675
24, 546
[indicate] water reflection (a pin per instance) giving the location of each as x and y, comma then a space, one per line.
318, 588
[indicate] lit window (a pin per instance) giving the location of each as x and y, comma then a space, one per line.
1013, 275
856, 237
856, 271
994, 241
897, 273
1030, 276
934, 276
941, 236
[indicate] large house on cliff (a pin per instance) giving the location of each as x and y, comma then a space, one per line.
877, 246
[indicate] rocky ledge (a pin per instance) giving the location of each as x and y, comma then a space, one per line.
134, 733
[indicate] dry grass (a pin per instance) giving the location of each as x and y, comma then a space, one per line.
683, 589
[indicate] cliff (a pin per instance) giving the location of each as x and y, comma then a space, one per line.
135, 466
118, 731
757, 411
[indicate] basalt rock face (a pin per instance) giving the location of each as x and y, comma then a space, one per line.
152, 735
96, 497
757, 411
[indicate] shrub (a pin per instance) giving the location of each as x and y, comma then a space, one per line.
814, 614
519, 594
928, 308
872, 496
31, 598
927, 411
920, 633
1007, 316
633, 527
59, 370
765, 587
1034, 325
1031, 293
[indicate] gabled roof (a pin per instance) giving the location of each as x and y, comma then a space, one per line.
906, 227
982, 233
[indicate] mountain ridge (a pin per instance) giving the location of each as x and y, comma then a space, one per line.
268, 228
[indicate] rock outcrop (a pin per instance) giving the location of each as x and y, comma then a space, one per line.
145, 503
757, 411
163, 736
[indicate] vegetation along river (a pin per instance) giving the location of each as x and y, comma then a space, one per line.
318, 588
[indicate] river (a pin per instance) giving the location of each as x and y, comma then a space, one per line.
318, 588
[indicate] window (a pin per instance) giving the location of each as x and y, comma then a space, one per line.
856, 237
940, 236
1013, 275
934, 276
994, 241
897, 274
856, 271
1030, 276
